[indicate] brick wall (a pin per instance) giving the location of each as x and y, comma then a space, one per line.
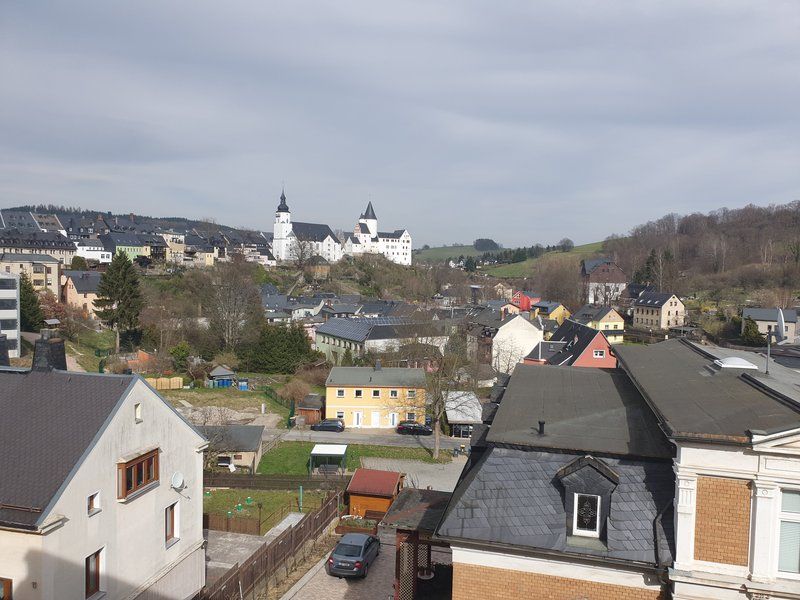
472, 582
722, 522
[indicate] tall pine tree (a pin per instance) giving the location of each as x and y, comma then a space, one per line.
119, 300
30, 311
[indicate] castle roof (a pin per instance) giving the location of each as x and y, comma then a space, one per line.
369, 213
283, 207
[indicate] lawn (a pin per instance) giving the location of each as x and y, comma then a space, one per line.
228, 398
86, 342
291, 458
220, 501
524, 268
442, 253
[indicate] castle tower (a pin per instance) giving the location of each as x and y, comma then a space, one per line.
370, 220
282, 229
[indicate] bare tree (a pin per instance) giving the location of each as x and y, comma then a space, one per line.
302, 251
233, 303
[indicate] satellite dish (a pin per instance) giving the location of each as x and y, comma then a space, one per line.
232, 468
177, 481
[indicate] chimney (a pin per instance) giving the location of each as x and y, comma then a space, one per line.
4, 361
541, 427
378, 365
49, 352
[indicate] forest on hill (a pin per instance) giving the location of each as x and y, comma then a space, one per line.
753, 250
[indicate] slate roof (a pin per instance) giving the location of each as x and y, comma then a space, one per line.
511, 497
545, 350
34, 240
396, 234
47, 421
358, 330
770, 314
695, 399
312, 232
589, 410
311, 402
233, 438
370, 212
85, 282
282, 206
406, 331
653, 299
591, 264
384, 377
588, 313
372, 482
547, 306
21, 257
577, 338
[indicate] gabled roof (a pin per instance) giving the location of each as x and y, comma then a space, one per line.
85, 282
48, 420
221, 371
233, 438
312, 232
358, 330
384, 377
22, 257
395, 235
590, 264
574, 337
372, 482
35, 240
547, 306
770, 314
589, 313
657, 299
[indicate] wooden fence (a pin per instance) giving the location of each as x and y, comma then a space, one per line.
274, 482
271, 563
252, 525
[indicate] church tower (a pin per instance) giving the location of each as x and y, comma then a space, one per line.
281, 230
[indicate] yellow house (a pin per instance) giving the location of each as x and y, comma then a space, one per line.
602, 318
375, 396
550, 310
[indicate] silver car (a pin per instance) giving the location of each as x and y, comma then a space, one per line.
353, 555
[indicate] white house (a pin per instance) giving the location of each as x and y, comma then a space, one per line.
93, 250
9, 312
102, 492
294, 240
514, 340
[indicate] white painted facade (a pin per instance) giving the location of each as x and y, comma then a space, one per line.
772, 466
93, 250
514, 340
136, 561
9, 312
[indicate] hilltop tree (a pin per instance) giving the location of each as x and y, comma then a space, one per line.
119, 300
30, 311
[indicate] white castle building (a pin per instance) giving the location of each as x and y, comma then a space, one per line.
293, 240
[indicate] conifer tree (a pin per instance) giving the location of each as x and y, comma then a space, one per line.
30, 311
119, 300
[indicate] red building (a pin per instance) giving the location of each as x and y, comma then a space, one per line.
524, 300
576, 345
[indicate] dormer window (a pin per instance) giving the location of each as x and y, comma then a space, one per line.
586, 515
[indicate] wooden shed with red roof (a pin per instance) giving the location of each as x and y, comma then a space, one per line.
371, 492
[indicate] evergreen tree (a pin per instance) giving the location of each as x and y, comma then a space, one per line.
470, 265
30, 311
751, 335
119, 300
79, 264
279, 349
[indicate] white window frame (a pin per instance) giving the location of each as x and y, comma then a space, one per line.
376, 394
585, 532
789, 517
599, 353
393, 394
340, 393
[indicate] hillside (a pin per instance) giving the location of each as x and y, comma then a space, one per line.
442, 253
525, 268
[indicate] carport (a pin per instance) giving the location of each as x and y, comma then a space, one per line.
328, 459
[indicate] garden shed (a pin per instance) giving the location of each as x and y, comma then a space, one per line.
328, 459
371, 492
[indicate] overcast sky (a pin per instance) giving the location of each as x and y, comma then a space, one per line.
523, 121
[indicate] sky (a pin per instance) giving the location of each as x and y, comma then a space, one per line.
521, 121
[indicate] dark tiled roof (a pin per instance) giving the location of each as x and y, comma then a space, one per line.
417, 510
545, 350
312, 232
770, 314
697, 399
591, 264
357, 330
311, 402
576, 338
233, 438
85, 282
511, 496
396, 234
369, 213
47, 421
547, 306
386, 376
589, 313
653, 298
34, 240
591, 410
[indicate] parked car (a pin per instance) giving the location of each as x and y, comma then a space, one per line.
328, 425
353, 555
413, 428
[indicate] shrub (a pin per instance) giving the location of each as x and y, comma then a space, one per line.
295, 390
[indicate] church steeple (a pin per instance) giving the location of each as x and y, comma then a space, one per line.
370, 212
283, 207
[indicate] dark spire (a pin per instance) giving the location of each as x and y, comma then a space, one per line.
369, 213
283, 207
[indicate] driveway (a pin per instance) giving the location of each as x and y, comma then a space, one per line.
378, 437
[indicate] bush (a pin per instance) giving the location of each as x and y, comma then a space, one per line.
229, 359
295, 390
314, 376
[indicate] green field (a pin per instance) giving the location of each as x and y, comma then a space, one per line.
291, 458
86, 342
442, 253
523, 269
228, 398
220, 501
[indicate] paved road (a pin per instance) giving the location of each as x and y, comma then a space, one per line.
379, 437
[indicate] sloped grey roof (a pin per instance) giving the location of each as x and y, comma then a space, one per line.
85, 282
576, 338
653, 298
696, 399
221, 371
47, 421
769, 314
370, 212
357, 330
311, 401
22, 257
590, 410
588, 313
386, 376
591, 264
396, 234
511, 497
233, 438
312, 232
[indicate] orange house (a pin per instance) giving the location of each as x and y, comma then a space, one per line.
370, 492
